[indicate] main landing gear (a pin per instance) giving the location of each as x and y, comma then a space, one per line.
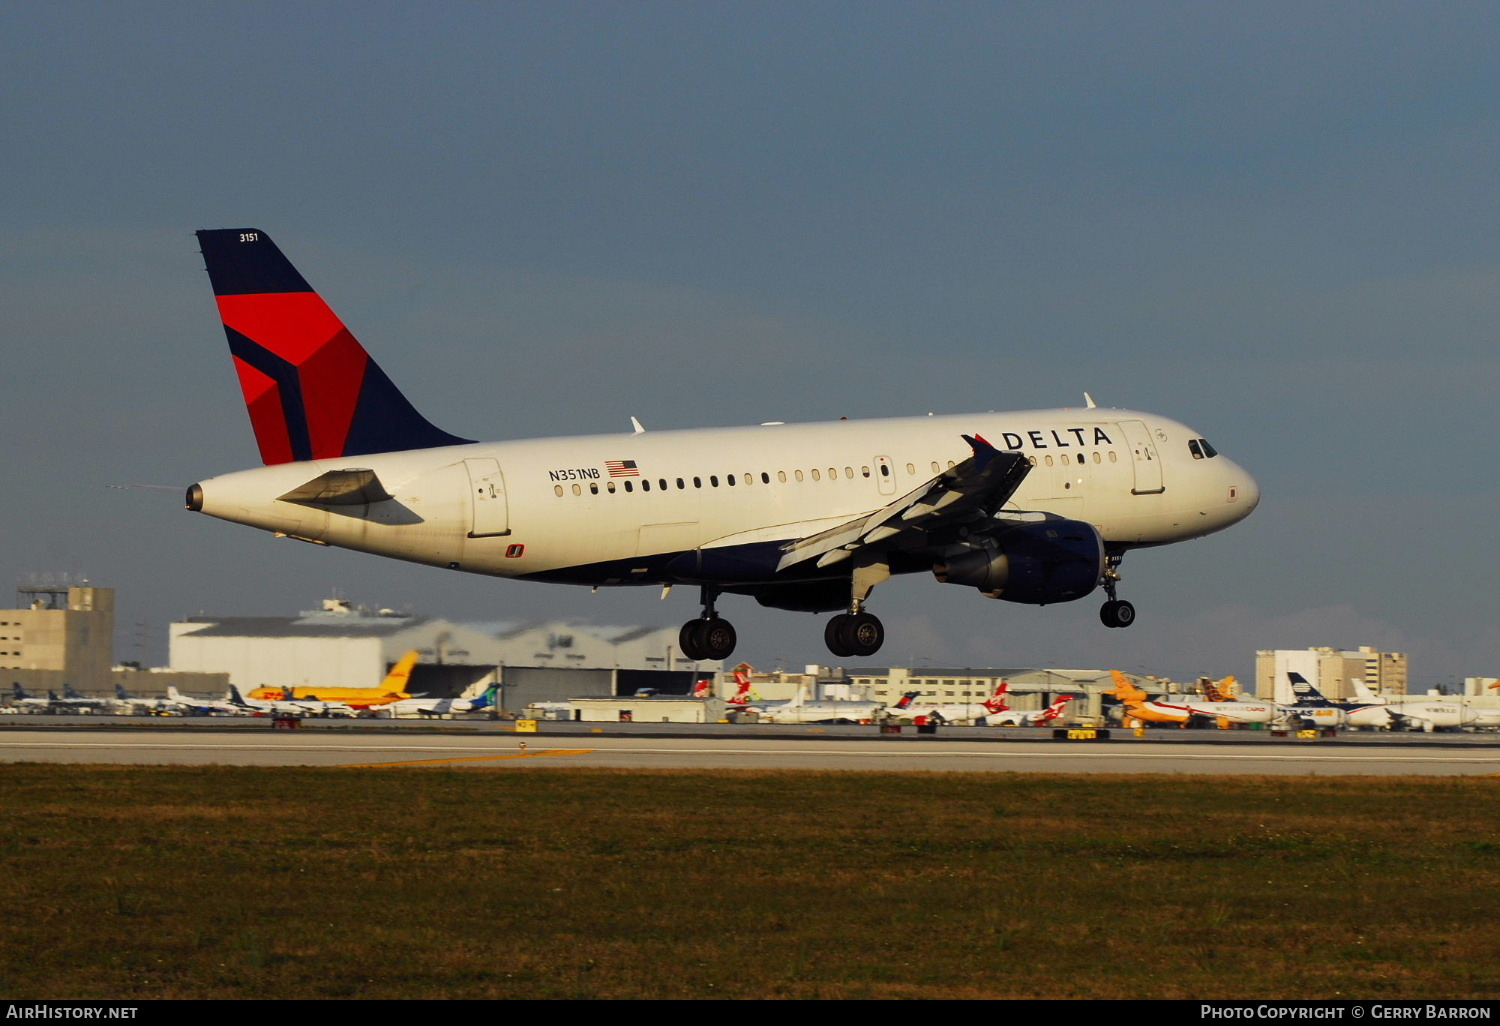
856, 634
1116, 612
708, 637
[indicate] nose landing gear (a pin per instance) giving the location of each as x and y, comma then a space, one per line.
1116, 612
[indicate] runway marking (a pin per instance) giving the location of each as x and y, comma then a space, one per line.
471, 758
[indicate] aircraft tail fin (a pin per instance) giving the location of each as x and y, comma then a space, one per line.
905, 701
1125, 691
18, 692
400, 676
1304, 690
311, 389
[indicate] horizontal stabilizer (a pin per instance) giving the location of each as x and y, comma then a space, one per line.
339, 488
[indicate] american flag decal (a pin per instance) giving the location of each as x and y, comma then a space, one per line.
621, 468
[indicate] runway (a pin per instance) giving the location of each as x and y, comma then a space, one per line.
518, 752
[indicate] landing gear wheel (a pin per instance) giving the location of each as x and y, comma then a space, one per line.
1117, 613
854, 634
833, 636
717, 638
689, 641
706, 638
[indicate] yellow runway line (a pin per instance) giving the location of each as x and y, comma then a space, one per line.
471, 758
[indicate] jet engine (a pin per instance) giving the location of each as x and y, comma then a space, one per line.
1050, 561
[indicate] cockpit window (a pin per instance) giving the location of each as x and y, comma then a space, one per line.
1201, 450
1208, 450
1195, 448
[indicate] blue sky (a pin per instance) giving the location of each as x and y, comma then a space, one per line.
1275, 222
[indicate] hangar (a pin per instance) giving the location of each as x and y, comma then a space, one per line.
341, 645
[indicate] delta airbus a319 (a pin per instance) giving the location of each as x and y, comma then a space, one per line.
1035, 507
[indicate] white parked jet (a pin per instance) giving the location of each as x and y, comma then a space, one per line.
957, 712
1035, 507
1022, 718
204, 706
288, 707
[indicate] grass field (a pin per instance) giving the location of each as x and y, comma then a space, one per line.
139, 883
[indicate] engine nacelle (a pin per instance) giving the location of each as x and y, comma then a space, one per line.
1038, 564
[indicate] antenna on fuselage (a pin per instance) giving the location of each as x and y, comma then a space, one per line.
1090, 401
637, 425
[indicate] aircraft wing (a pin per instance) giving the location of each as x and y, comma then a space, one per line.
969, 493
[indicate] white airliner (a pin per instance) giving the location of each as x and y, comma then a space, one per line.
1035, 507
1035, 718
957, 712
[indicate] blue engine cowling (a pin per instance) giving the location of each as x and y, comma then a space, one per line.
1038, 564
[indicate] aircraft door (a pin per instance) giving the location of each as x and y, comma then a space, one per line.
885, 474
1144, 458
490, 512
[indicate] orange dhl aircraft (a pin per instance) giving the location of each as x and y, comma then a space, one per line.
392, 689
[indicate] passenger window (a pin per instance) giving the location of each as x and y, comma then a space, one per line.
815, 476
781, 476
611, 486
729, 480
593, 488
849, 472
911, 468
1080, 457
557, 489
1049, 461
713, 479
798, 474
628, 488
577, 490
697, 482
1097, 458
1112, 457
935, 467
766, 478
663, 484
681, 484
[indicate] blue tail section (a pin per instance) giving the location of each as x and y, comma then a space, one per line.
1304, 690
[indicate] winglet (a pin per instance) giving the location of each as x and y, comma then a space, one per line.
983, 451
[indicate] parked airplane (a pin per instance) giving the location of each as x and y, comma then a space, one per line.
72, 701
800, 710
805, 517
1357, 714
1140, 707
445, 706
1035, 718
956, 712
288, 706
1420, 712
391, 689
205, 706
22, 699
124, 700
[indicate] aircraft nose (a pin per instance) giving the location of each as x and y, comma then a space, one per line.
1244, 492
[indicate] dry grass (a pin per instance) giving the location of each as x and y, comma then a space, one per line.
400, 883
